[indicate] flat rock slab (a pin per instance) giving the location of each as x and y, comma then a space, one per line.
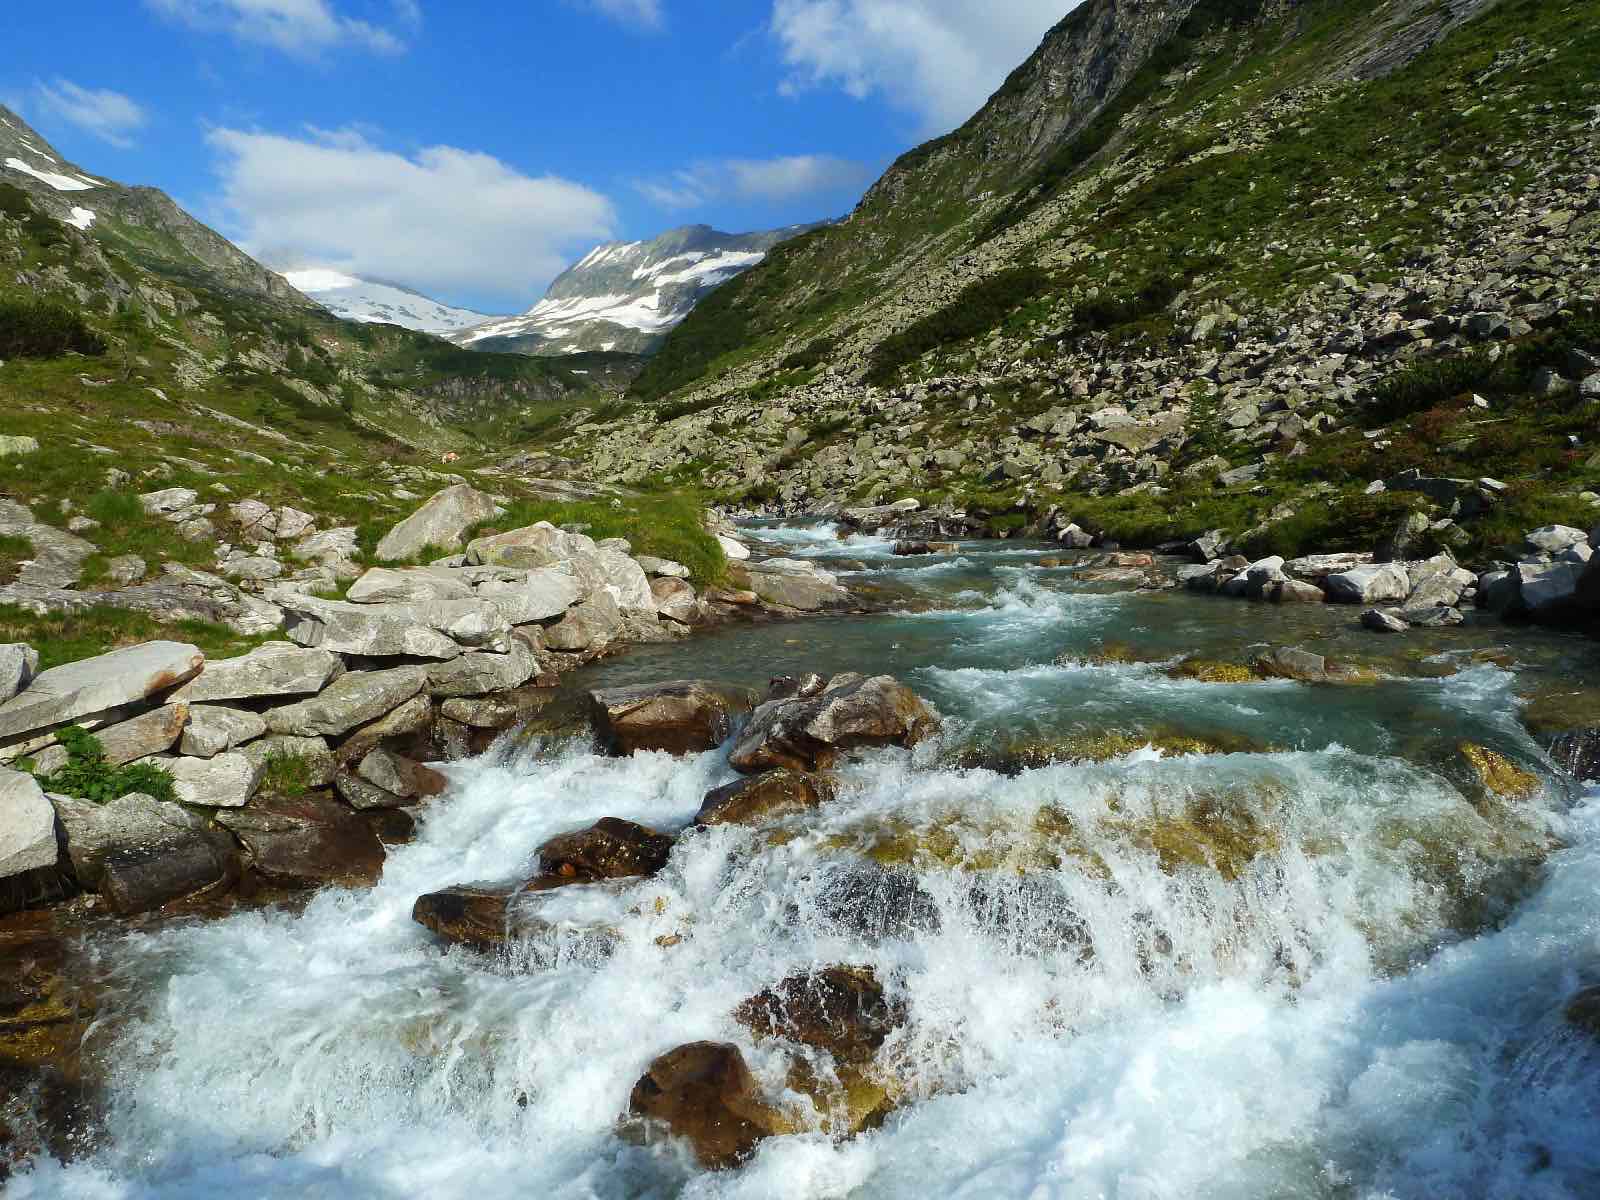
545, 592
213, 730
276, 669
479, 674
63, 694
688, 716
405, 585
127, 825
1383, 583
27, 825
763, 797
226, 781
143, 878
372, 630
352, 700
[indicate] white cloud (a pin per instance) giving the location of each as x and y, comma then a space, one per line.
300, 27
769, 179
938, 59
108, 115
447, 221
635, 14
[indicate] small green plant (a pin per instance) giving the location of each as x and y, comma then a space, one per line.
286, 775
88, 776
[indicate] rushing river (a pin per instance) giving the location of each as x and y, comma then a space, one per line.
1366, 1003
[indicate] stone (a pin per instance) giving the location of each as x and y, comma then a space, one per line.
213, 730
226, 781
1383, 621
1400, 543
662, 568
1547, 589
19, 663
1436, 617
469, 916
365, 796
1320, 566
480, 674
735, 550
13, 445
1377, 584
1210, 546
609, 849
808, 733
626, 581
1499, 776
1553, 539
593, 624
63, 694
540, 545
142, 878
307, 840
402, 776
1075, 538
318, 761
351, 700
274, 670
370, 630
152, 732
405, 585
473, 622
168, 501
125, 569
125, 825
1437, 582
412, 720
27, 825
1297, 591
545, 592
763, 797
676, 600
685, 717
1201, 577
841, 1010
441, 522
1291, 662
704, 1093
803, 592
252, 567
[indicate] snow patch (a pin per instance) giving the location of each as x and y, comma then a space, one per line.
61, 183
81, 217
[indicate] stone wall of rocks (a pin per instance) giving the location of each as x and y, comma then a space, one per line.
300, 758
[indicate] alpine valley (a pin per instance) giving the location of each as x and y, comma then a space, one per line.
1078, 680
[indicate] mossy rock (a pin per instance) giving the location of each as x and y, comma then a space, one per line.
1204, 670
1224, 831
1499, 775
1013, 758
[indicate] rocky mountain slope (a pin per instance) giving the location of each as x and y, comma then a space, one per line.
373, 301
1258, 267
625, 296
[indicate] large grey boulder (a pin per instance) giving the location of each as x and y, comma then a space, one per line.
140, 878
128, 824
1319, 566
676, 600
213, 730
473, 622
1554, 539
1381, 620
480, 674
19, 663
226, 781
808, 731
442, 521
1382, 583
412, 720
627, 582
27, 825
545, 592
593, 624
353, 699
808, 590
63, 694
1547, 589
149, 733
276, 669
370, 630
1438, 582
540, 545
406, 585
400, 776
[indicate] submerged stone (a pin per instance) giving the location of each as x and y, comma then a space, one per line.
704, 1093
609, 849
841, 1009
763, 797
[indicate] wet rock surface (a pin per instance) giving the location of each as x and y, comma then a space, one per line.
807, 733
685, 717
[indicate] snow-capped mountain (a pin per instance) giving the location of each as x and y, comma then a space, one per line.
625, 296
375, 302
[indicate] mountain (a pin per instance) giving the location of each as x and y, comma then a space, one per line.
1294, 269
372, 301
625, 296
142, 222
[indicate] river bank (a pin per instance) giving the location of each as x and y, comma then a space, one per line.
1367, 918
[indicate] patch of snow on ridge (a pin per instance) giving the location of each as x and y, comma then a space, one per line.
82, 217
319, 279
61, 183
372, 302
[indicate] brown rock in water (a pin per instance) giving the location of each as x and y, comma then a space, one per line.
608, 849
704, 1093
307, 840
469, 915
840, 1009
140, 879
763, 797
688, 716
810, 733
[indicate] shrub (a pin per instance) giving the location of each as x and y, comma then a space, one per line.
88, 776
44, 329
980, 307
813, 354
1429, 384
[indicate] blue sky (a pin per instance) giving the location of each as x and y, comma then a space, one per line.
471, 149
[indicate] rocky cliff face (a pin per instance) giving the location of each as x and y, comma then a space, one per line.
626, 296
142, 222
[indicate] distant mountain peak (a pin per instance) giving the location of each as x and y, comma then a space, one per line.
381, 302
626, 296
